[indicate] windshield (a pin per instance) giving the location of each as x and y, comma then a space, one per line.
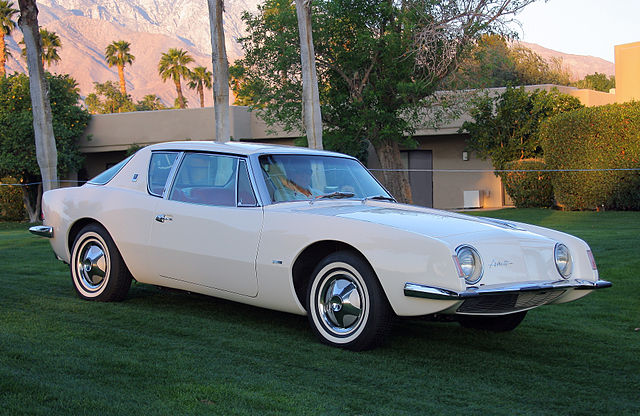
308, 177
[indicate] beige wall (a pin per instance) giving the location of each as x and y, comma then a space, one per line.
627, 72
448, 187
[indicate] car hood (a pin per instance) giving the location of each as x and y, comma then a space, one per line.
431, 222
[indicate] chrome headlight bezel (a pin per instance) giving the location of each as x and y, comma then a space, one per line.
562, 259
470, 264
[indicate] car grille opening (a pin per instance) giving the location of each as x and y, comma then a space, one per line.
508, 302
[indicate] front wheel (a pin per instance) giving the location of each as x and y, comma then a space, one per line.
346, 306
502, 323
98, 271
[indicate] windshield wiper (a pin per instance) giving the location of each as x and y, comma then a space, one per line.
378, 198
333, 195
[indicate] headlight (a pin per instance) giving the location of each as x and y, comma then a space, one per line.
563, 260
470, 264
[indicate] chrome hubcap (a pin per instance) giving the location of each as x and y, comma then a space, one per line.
92, 265
340, 304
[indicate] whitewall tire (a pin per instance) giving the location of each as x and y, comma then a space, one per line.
97, 269
346, 306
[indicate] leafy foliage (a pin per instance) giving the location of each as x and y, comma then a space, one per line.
492, 62
530, 189
605, 137
107, 99
17, 145
11, 205
150, 102
200, 79
505, 128
7, 24
597, 81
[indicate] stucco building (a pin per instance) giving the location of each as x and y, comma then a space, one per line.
443, 173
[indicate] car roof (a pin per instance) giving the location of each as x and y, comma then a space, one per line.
239, 148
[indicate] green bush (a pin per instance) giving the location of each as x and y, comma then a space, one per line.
606, 137
11, 205
528, 189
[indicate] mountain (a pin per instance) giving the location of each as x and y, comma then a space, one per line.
86, 27
579, 65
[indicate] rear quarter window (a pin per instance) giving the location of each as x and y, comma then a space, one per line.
109, 174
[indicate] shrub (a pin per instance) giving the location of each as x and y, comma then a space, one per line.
606, 137
528, 189
11, 205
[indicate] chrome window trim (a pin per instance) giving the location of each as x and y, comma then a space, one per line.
246, 163
169, 177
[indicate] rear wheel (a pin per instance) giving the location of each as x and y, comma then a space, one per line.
97, 269
502, 323
346, 305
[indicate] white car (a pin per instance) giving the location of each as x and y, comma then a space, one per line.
307, 232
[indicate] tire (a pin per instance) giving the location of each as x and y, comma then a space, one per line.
502, 323
346, 305
97, 269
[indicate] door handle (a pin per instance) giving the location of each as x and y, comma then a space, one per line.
163, 218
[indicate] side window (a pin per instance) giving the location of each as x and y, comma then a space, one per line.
159, 169
206, 179
246, 196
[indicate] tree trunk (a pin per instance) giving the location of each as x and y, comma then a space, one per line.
179, 92
46, 152
395, 180
201, 94
32, 211
311, 114
3, 56
220, 71
123, 85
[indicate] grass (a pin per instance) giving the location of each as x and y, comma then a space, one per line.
166, 352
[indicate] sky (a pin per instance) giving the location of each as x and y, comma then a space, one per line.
581, 27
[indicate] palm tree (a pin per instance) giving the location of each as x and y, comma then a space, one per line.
6, 27
117, 53
173, 64
50, 45
200, 79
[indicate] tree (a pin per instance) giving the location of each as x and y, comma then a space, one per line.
17, 147
597, 81
7, 25
150, 102
108, 99
117, 53
532, 69
173, 64
378, 63
50, 45
200, 79
505, 128
220, 71
312, 115
45, 141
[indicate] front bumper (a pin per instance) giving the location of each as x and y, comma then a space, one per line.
503, 299
42, 231
430, 292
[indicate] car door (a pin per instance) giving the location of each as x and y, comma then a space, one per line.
207, 226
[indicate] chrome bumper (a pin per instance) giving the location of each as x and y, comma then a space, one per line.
429, 292
42, 231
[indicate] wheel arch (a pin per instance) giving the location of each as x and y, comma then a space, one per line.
309, 258
74, 230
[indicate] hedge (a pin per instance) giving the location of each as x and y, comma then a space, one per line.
528, 189
606, 137
11, 204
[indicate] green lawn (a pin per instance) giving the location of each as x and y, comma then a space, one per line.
165, 352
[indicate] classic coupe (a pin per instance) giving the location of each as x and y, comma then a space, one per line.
307, 232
